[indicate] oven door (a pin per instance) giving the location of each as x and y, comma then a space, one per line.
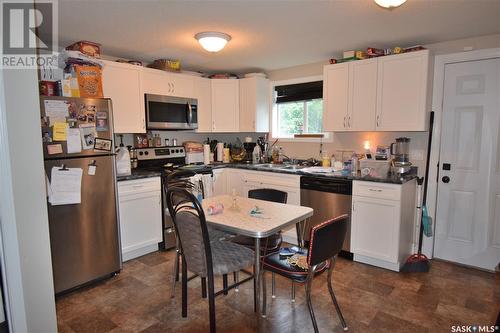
167, 112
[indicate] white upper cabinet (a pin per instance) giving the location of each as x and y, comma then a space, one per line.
170, 84
254, 104
203, 93
335, 97
402, 92
362, 95
122, 83
225, 105
388, 93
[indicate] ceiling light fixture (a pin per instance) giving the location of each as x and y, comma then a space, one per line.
389, 3
212, 41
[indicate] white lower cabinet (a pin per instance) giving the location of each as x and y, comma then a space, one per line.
286, 183
140, 216
382, 223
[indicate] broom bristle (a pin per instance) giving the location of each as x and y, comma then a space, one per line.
417, 263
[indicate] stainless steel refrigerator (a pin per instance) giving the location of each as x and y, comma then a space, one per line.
84, 237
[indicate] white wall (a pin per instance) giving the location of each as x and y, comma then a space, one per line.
23, 210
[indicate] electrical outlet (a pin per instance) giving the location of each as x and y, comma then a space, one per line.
417, 155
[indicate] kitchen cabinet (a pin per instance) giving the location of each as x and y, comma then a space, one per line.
122, 83
234, 181
362, 95
382, 223
403, 92
335, 97
225, 105
286, 183
254, 104
390, 93
170, 84
203, 93
140, 216
220, 177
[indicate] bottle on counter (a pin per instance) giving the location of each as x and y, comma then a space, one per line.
167, 143
354, 164
157, 140
256, 154
325, 159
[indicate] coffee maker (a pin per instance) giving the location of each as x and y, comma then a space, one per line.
400, 151
249, 146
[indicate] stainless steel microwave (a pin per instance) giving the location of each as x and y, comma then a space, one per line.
170, 113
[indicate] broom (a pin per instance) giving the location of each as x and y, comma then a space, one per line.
418, 262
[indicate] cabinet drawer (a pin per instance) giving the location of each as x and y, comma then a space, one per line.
377, 190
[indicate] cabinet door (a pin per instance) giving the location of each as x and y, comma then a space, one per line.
225, 105
203, 92
375, 228
335, 97
402, 98
155, 82
362, 95
181, 85
234, 181
219, 182
122, 83
254, 104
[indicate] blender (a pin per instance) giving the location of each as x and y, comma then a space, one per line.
400, 151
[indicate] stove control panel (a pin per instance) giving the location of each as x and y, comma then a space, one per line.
160, 153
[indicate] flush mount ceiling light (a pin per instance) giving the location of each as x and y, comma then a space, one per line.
212, 41
389, 3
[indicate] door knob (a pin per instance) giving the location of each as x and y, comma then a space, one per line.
445, 179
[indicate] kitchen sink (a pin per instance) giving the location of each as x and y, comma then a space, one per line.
279, 166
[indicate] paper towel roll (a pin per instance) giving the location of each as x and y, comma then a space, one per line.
220, 151
206, 154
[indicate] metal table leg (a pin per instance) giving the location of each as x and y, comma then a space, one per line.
257, 275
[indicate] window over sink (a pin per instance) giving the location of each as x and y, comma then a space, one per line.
298, 109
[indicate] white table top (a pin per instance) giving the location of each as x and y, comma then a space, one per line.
275, 216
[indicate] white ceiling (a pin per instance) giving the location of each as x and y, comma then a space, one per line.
267, 35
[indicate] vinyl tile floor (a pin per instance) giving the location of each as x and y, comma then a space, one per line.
141, 299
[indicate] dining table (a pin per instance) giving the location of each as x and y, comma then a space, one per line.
254, 218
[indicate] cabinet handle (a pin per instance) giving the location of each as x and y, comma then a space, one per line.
344, 121
378, 118
173, 87
374, 190
349, 121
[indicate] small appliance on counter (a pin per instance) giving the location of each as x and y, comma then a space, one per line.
400, 151
249, 146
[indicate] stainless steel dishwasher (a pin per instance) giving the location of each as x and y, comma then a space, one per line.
329, 197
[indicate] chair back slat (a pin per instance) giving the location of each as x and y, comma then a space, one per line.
268, 194
326, 239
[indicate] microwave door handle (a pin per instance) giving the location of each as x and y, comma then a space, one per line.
189, 110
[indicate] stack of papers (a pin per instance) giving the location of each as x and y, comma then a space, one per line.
65, 186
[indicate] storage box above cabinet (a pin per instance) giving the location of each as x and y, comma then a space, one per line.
122, 83
254, 104
390, 93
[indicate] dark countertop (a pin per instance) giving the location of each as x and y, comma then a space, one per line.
247, 166
138, 174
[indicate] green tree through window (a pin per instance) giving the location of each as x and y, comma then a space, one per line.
300, 117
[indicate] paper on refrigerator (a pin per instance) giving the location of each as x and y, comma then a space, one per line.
65, 186
73, 141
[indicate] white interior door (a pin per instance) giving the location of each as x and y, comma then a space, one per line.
468, 205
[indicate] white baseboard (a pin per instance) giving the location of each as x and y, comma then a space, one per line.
377, 262
139, 252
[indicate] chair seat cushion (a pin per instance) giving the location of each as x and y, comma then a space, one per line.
273, 242
279, 265
228, 257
